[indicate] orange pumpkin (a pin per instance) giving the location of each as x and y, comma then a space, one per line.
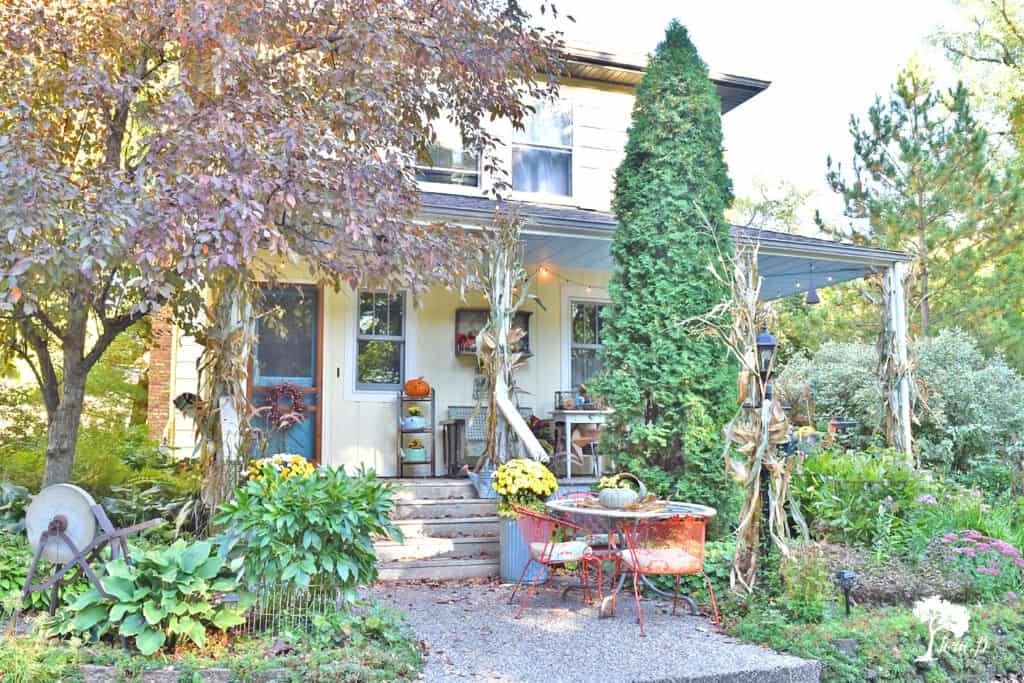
417, 387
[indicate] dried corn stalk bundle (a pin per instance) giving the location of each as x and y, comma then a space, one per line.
753, 436
505, 282
227, 338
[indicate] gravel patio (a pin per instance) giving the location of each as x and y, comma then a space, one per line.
469, 634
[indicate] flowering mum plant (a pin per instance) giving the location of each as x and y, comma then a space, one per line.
992, 567
285, 464
523, 482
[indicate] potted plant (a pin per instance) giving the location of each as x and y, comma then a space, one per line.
619, 490
414, 420
526, 483
414, 451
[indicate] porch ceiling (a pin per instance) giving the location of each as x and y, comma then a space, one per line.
572, 238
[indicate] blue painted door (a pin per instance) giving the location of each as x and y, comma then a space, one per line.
287, 351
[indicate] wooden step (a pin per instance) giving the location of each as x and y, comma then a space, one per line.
426, 548
434, 489
449, 527
442, 569
425, 508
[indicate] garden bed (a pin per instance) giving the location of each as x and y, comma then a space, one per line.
374, 648
882, 644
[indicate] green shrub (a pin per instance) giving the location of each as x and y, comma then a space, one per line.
371, 623
318, 528
103, 458
32, 658
887, 641
989, 568
164, 597
717, 565
15, 558
13, 501
952, 510
672, 389
863, 498
969, 408
807, 586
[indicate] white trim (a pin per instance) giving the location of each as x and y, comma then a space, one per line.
572, 293
351, 393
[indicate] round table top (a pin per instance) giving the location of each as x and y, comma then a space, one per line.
672, 509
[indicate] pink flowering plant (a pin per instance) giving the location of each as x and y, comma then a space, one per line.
993, 568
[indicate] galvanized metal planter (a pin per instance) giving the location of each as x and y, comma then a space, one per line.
514, 555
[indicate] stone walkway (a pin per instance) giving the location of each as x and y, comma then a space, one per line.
471, 635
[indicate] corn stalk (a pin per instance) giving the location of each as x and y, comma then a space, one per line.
223, 434
754, 434
505, 283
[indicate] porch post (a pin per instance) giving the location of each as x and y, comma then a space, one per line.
894, 361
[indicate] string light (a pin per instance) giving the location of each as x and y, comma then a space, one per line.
587, 286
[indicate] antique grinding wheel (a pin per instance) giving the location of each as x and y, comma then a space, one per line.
68, 529
65, 512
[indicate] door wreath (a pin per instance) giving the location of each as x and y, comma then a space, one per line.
283, 421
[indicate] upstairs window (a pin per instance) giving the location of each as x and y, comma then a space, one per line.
542, 151
450, 162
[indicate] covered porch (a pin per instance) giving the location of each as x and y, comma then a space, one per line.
562, 239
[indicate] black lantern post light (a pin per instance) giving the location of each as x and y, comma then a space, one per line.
767, 348
812, 293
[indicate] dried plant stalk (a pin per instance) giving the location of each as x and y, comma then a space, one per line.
753, 436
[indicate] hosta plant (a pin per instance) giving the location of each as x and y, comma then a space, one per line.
163, 598
319, 528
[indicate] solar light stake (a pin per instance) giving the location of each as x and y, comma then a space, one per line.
846, 578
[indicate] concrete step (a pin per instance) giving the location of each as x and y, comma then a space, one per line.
434, 489
435, 548
424, 508
449, 527
442, 569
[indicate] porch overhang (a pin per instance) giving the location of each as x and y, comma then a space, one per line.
565, 237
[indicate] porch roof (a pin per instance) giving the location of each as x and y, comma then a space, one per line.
569, 237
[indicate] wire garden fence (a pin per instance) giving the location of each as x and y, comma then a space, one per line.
292, 609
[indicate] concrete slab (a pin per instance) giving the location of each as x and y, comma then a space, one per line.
473, 636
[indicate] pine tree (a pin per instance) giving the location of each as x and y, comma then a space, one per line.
671, 388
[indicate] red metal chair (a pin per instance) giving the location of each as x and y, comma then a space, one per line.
597, 540
550, 542
673, 547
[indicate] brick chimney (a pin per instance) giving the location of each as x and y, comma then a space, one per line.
161, 356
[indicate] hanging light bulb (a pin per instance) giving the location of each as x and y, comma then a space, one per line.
812, 293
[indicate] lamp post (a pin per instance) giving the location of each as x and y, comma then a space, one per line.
767, 348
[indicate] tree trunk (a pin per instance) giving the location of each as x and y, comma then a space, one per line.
923, 246
62, 427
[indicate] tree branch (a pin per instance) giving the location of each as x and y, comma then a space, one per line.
46, 375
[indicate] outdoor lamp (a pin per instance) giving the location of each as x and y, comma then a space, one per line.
812, 292
766, 348
845, 578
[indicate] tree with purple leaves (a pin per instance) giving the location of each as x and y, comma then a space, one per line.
150, 147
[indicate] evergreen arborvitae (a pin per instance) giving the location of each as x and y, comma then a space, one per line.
672, 388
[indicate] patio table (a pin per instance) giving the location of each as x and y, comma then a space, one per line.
601, 520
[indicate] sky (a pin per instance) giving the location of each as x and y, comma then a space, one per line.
825, 60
